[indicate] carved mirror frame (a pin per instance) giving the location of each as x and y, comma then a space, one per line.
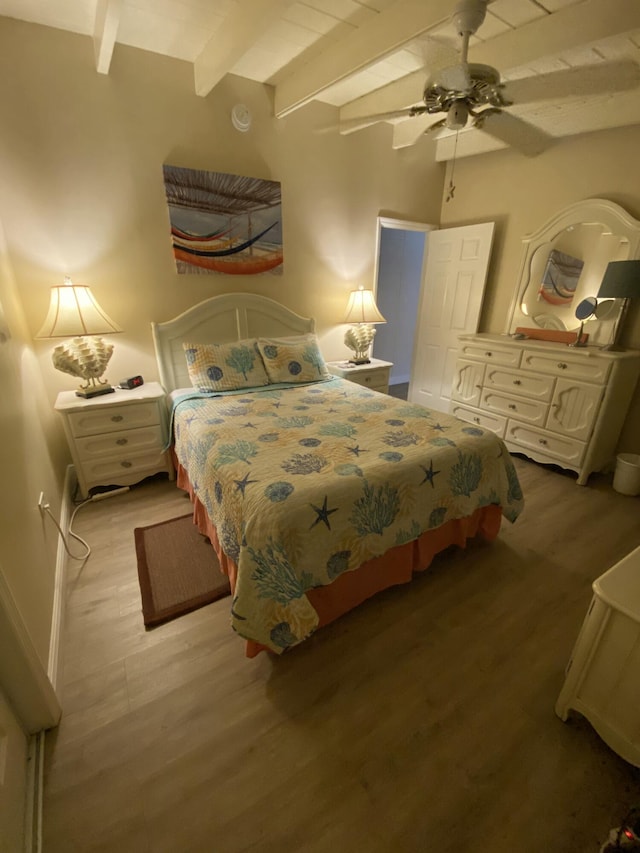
594, 231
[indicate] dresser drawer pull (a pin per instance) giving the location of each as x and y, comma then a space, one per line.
117, 418
488, 354
476, 420
512, 406
517, 381
122, 441
367, 379
126, 464
542, 441
562, 365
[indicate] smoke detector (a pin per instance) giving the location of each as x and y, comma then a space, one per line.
241, 118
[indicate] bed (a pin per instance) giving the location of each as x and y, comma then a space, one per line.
315, 492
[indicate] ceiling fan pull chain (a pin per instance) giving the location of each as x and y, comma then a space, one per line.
452, 187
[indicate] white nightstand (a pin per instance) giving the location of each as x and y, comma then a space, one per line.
374, 375
117, 439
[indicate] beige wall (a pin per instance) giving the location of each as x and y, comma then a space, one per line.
520, 194
31, 462
81, 159
83, 191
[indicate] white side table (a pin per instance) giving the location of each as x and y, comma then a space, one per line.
117, 439
374, 375
603, 675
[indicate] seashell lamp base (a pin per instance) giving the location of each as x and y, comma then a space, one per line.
359, 338
88, 359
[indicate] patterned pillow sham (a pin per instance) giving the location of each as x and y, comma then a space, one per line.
293, 359
225, 367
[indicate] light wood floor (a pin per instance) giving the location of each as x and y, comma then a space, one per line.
423, 721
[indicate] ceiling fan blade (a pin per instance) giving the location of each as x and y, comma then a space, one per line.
585, 80
407, 133
518, 134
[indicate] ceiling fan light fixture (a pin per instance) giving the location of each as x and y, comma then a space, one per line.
457, 116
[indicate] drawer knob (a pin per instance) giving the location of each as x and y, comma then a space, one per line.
116, 418
367, 379
517, 381
126, 464
542, 440
488, 354
512, 406
562, 365
122, 441
476, 420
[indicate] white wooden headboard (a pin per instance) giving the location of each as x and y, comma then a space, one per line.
221, 319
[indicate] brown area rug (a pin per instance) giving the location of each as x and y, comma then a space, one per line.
178, 570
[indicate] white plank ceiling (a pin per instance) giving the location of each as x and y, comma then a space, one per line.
367, 56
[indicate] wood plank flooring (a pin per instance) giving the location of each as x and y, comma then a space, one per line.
423, 721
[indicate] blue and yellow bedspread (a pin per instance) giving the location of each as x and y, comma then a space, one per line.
307, 482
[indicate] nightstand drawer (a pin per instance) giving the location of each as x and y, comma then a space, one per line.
377, 379
125, 469
113, 418
119, 443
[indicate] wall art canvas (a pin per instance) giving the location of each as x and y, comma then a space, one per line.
223, 223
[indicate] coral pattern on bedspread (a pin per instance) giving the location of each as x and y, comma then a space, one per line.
307, 482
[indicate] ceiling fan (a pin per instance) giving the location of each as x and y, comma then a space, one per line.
468, 94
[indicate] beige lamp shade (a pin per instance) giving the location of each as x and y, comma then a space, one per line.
362, 308
74, 312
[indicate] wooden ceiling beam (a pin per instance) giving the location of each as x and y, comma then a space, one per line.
384, 34
105, 31
239, 31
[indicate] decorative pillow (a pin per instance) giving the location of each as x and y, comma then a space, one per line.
225, 367
293, 359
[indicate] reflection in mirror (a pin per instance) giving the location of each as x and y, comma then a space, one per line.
560, 279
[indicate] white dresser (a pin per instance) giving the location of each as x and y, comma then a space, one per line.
117, 439
553, 403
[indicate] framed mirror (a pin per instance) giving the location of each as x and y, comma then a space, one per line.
562, 267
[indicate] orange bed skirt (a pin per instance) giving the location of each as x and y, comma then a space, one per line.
350, 589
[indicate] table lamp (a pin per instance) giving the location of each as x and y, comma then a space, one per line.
73, 311
362, 311
621, 281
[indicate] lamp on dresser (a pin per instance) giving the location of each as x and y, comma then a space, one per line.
74, 313
362, 312
621, 281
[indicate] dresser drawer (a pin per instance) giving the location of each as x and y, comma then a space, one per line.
567, 451
537, 387
485, 420
531, 411
119, 443
507, 356
113, 418
586, 369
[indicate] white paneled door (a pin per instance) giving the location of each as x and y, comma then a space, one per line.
14, 746
451, 298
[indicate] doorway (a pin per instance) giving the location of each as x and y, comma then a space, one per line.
401, 249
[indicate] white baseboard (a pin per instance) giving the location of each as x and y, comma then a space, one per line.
55, 663
399, 380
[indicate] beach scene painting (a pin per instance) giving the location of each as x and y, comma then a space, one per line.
223, 223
